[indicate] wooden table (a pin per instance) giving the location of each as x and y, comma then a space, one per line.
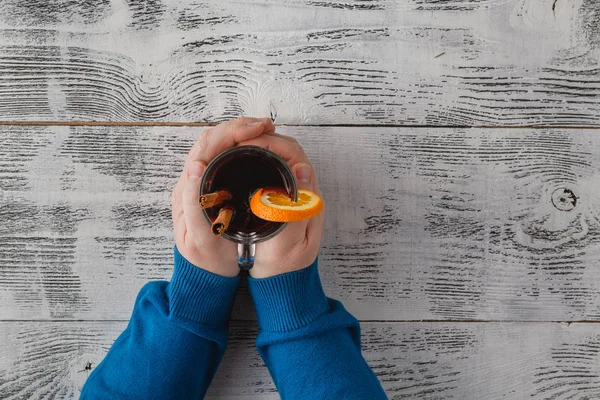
457, 146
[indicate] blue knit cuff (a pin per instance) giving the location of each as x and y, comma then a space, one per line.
199, 295
288, 301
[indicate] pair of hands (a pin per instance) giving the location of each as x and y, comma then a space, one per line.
294, 248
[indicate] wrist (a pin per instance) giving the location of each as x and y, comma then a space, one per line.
267, 265
219, 263
199, 295
288, 301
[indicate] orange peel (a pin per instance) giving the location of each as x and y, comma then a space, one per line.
275, 205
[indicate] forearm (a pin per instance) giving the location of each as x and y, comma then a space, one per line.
310, 344
174, 341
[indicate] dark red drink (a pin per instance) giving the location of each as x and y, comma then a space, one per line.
242, 171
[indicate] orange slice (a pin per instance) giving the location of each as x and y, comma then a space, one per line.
276, 206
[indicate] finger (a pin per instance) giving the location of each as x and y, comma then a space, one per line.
179, 228
241, 121
291, 152
224, 136
314, 230
192, 213
177, 194
305, 176
268, 124
299, 231
178, 188
279, 135
307, 179
177, 208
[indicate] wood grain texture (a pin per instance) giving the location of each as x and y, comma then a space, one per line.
541, 361
462, 224
409, 62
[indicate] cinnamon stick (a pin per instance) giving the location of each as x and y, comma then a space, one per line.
222, 222
214, 199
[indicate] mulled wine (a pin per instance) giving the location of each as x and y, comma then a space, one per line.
241, 171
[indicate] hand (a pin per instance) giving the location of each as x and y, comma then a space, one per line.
193, 237
297, 246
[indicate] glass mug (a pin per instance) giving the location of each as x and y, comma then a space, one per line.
242, 171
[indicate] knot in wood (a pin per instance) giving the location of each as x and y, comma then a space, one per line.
564, 199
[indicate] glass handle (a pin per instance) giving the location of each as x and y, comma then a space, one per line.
246, 256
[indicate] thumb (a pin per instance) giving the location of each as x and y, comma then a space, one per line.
312, 228
192, 211
296, 231
305, 176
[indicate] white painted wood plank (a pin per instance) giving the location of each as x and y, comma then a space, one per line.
455, 62
463, 224
489, 361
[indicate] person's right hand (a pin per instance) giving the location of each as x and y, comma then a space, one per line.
297, 246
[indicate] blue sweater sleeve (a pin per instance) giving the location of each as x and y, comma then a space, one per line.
310, 343
174, 342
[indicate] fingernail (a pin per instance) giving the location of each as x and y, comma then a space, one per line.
303, 173
195, 170
254, 124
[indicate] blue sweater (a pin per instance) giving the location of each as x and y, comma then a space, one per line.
178, 333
